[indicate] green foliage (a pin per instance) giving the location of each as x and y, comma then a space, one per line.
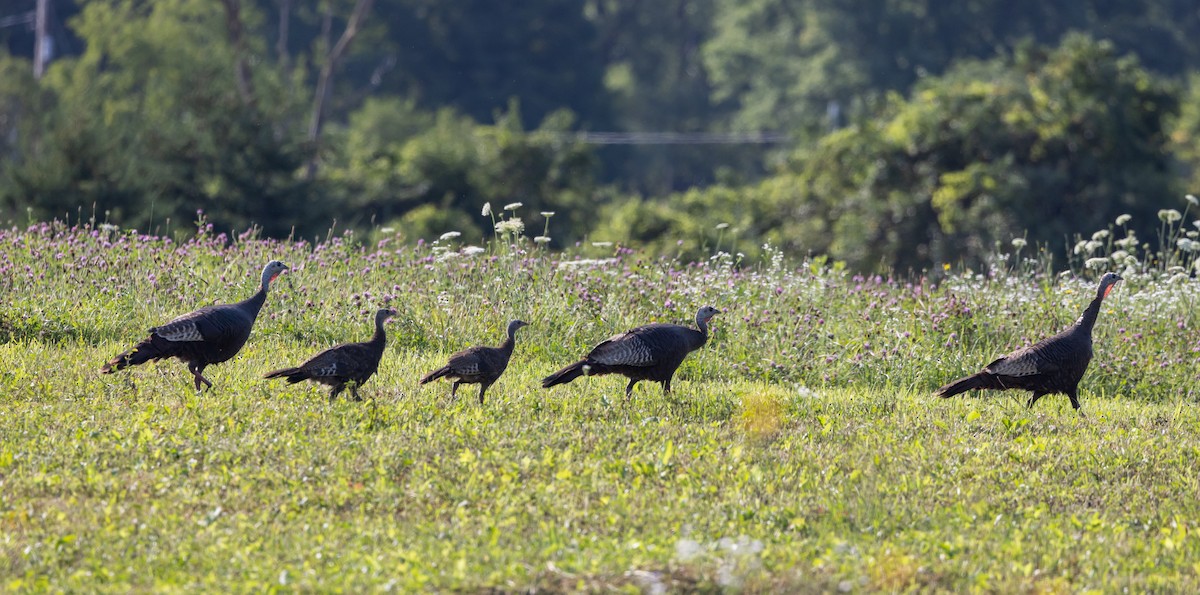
456, 165
147, 125
1041, 145
1185, 134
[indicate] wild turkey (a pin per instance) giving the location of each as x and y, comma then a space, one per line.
652, 352
350, 364
478, 365
210, 335
1053, 365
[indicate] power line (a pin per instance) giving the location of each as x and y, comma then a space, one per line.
679, 138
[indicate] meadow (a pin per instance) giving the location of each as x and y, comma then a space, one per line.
800, 451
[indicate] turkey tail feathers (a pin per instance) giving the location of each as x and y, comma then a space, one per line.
139, 354
293, 375
434, 375
962, 385
564, 375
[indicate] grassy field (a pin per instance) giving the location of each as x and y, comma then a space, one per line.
800, 451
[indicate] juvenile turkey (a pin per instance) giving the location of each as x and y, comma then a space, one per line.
478, 365
1053, 365
350, 364
652, 352
210, 335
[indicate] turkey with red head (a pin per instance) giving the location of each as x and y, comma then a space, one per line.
1052, 365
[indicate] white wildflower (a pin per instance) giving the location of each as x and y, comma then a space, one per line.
473, 250
1100, 235
1129, 241
1096, 263
602, 244
1169, 215
541, 240
547, 214
387, 229
1119, 256
487, 209
1094, 245
512, 206
1131, 261
722, 225
514, 226
1123, 219
1186, 245
450, 235
1179, 279
1079, 248
108, 227
1018, 243
1192, 199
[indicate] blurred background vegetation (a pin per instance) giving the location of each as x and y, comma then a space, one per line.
888, 134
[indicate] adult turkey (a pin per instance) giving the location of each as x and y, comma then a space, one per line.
652, 352
350, 364
210, 335
478, 365
1053, 365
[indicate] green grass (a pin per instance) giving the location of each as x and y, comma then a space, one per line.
801, 449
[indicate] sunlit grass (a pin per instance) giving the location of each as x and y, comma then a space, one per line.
801, 449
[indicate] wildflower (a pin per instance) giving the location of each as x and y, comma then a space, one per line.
1192, 199
487, 209
1018, 243
512, 206
473, 250
1169, 215
1123, 219
547, 214
1096, 263
514, 226
450, 235
387, 229
1130, 241
1186, 245
1100, 235
722, 225
602, 244
541, 240
1179, 279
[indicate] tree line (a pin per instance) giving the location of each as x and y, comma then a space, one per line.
916, 132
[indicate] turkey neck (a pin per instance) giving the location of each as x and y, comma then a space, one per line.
380, 337
1088, 319
702, 323
255, 302
509, 341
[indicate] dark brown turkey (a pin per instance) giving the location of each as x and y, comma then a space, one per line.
1053, 365
210, 335
652, 352
478, 365
350, 364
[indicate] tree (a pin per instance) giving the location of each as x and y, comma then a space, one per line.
156, 120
